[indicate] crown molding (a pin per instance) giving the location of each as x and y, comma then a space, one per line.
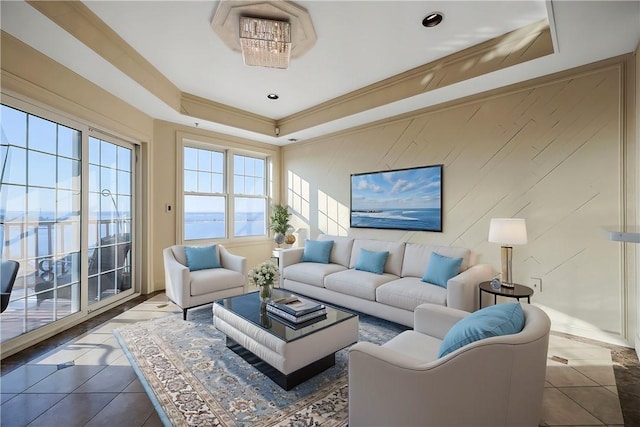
22, 72
521, 45
79, 21
206, 109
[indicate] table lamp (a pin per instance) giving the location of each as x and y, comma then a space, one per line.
508, 232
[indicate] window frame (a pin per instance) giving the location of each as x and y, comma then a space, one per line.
184, 140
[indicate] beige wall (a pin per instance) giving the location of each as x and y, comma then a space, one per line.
551, 151
635, 117
166, 138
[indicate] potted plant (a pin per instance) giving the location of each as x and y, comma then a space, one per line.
279, 222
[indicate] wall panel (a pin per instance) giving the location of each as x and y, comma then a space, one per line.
550, 151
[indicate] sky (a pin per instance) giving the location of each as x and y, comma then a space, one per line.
402, 189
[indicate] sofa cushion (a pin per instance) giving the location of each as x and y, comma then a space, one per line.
361, 284
202, 257
370, 261
312, 273
393, 265
341, 251
492, 321
409, 292
416, 257
214, 280
440, 269
317, 251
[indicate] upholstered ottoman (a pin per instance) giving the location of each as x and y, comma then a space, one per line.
286, 355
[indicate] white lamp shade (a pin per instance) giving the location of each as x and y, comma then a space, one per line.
508, 231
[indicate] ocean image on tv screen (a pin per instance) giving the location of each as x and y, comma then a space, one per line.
406, 199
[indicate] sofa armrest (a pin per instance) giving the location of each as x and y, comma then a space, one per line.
435, 320
232, 262
462, 290
288, 257
389, 388
385, 355
177, 278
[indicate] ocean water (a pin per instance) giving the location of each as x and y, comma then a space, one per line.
47, 238
212, 224
402, 219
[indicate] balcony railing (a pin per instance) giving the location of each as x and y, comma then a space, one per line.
48, 283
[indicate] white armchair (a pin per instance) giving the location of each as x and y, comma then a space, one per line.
497, 381
188, 289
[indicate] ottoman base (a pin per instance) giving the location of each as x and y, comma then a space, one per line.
286, 381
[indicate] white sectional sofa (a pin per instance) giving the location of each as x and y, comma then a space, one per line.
392, 295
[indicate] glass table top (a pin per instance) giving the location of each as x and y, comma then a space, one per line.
249, 307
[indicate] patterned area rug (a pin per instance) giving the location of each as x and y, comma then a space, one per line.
193, 379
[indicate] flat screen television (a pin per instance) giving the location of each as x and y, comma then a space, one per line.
403, 199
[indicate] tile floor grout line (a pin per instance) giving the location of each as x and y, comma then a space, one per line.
582, 406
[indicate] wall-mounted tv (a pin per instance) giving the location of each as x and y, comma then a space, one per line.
403, 199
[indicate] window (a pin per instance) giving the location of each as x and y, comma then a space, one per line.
250, 198
204, 197
222, 198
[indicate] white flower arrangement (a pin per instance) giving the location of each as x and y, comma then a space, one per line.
264, 274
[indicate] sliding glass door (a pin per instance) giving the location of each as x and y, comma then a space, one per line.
61, 191
40, 190
110, 208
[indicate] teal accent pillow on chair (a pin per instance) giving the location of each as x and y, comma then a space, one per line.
493, 321
317, 251
372, 262
202, 257
440, 269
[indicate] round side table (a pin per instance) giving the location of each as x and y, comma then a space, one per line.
517, 292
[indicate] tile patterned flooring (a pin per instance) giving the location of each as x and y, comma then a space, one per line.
82, 377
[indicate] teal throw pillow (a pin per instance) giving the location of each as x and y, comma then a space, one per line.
317, 251
372, 262
440, 269
493, 321
202, 257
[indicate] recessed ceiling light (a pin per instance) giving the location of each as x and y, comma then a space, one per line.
273, 96
433, 19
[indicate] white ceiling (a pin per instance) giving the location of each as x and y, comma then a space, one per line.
359, 43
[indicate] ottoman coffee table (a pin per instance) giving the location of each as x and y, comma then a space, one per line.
287, 355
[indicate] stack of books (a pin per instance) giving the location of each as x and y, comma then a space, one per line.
295, 311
